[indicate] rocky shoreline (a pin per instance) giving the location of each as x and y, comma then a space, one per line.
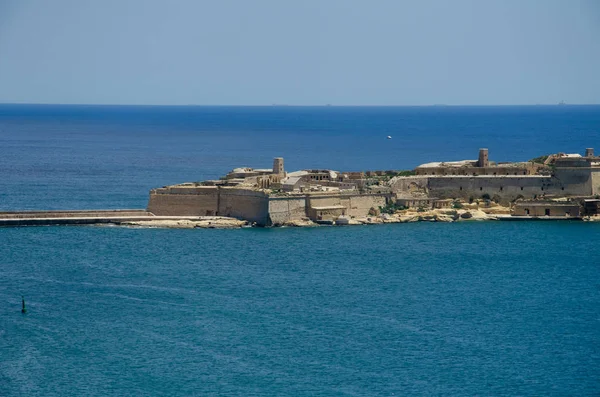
201, 223
467, 213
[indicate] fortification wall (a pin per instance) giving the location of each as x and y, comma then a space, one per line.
409, 185
199, 201
249, 205
576, 181
359, 205
506, 187
284, 209
595, 181
323, 201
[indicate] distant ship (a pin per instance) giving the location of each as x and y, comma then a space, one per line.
561, 103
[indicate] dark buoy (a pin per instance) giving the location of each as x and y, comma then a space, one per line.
23, 310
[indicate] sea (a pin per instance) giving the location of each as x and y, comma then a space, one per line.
424, 309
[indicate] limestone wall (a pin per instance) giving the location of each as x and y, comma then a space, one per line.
244, 204
576, 181
410, 185
595, 181
506, 187
285, 209
176, 201
210, 200
565, 182
359, 205
323, 200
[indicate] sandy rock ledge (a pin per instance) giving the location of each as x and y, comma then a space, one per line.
208, 223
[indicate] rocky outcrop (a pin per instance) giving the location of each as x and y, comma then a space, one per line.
207, 223
434, 215
305, 222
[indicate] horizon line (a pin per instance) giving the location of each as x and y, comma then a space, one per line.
560, 104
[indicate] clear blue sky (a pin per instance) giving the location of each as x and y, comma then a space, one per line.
300, 52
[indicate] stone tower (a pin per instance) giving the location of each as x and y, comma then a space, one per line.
589, 152
278, 166
483, 160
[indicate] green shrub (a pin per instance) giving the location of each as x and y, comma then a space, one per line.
457, 205
391, 208
405, 173
540, 159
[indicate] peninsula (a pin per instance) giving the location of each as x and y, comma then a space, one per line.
558, 186
551, 187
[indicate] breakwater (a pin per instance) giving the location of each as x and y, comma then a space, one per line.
75, 217
116, 217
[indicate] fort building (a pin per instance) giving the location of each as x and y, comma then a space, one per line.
274, 196
566, 175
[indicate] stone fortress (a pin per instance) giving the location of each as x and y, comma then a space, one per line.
559, 185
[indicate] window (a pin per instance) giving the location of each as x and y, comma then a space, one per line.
480, 188
501, 188
526, 211
521, 187
461, 188
562, 188
542, 188
547, 212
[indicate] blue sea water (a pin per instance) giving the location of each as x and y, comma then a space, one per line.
411, 309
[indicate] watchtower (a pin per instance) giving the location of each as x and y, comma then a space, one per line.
278, 166
589, 152
483, 160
